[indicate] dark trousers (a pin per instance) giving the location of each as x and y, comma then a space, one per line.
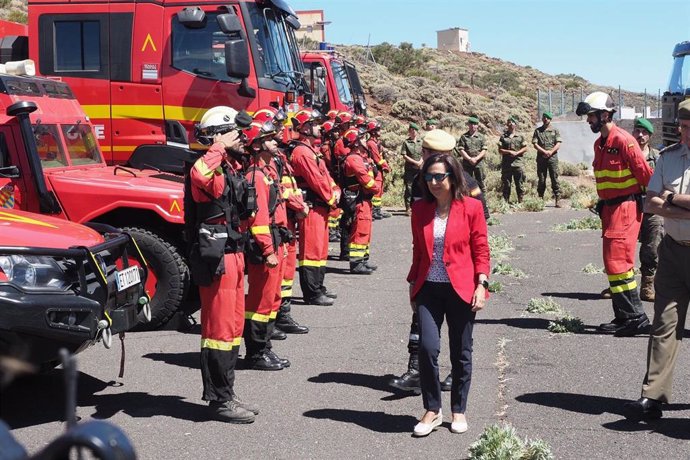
477, 172
547, 166
409, 177
512, 174
435, 302
651, 232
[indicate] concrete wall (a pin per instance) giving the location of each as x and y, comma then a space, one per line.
455, 39
310, 28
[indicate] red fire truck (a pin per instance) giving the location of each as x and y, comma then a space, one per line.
333, 82
144, 72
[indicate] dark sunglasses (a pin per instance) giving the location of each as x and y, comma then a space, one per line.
440, 177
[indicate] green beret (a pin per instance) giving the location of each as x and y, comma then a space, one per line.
473, 120
431, 121
644, 123
513, 118
548, 115
684, 110
414, 126
438, 140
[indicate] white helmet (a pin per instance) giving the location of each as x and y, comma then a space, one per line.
216, 120
596, 101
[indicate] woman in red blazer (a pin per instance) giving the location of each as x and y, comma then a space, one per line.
448, 278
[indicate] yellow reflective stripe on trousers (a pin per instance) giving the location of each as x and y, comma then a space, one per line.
619, 174
358, 246
616, 185
220, 345
258, 317
631, 286
621, 276
260, 230
285, 283
286, 293
311, 263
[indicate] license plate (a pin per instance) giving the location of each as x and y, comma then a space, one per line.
127, 278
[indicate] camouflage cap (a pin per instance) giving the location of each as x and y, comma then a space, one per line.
548, 115
684, 110
438, 140
414, 126
474, 120
645, 124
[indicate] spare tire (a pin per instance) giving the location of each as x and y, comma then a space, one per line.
168, 277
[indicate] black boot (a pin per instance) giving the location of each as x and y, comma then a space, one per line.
286, 323
277, 359
360, 269
409, 381
370, 266
278, 334
376, 214
262, 362
447, 383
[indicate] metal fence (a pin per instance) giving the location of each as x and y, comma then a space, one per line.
563, 102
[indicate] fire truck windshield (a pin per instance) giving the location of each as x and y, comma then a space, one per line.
81, 144
276, 55
342, 83
680, 76
49, 146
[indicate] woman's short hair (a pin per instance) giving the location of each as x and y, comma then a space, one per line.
458, 185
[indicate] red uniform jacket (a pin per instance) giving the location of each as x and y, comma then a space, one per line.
357, 167
375, 152
259, 222
466, 249
309, 174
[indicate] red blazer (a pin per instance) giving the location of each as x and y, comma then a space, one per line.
466, 248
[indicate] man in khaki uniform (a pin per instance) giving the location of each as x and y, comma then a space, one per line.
547, 140
411, 151
471, 150
652, 229
668, 195
512, 147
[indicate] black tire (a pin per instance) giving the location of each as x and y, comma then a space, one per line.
172, 277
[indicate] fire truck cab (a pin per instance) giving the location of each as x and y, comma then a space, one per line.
144, 72
333, 82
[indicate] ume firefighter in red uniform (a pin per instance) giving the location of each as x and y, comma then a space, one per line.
621, 171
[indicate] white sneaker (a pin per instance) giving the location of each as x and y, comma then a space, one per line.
423, 429
458, 427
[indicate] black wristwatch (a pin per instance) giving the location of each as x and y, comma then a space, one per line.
669, 198
485, 283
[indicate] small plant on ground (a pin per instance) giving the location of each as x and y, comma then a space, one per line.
498, 205
493, 221
503, 268
592, 269
544, 305
503, 443
568, 169
566, 324
495, 286
533, 204
586, 223
499, 246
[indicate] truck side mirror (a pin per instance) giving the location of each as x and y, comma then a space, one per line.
9, 172
229, 24
293, 22
192, 17
236, 58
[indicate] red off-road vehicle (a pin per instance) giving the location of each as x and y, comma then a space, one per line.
64, 285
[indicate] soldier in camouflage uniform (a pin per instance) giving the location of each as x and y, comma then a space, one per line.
547, 140
411, 151
512, 147
471, 150
652, 230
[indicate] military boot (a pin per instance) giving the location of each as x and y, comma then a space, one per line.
333, 235
409, 381
558, 203
286, 323
647, 288
376, 213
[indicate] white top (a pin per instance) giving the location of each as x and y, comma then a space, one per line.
672, 173
437, 271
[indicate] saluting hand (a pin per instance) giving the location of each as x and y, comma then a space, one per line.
231, 140
479, 298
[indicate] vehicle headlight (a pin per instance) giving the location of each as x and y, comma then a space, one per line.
34, 272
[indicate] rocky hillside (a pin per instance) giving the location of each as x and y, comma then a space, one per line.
14, 10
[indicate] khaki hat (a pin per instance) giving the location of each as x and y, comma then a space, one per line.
645, 124
684, 110
438, 140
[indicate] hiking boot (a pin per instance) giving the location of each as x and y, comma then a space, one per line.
633, 327
612, 325
371, 266
286, 323
244, 405
361, 269
647, 288
319, 300
409, 381
231, 412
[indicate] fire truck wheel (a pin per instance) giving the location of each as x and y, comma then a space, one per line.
168, 277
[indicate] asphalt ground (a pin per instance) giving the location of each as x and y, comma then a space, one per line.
334, 402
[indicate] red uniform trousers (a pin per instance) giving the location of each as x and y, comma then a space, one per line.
313, 252
222, 321
620, 226
289, 266
262, 304
360, 234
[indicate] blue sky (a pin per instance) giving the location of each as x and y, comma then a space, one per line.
608, 42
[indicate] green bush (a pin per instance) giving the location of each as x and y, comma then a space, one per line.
543, 305
583, 199
17, 16
502, 443
493, 221
533, 204
566, 324
592, 269
504, 268
402, 60
495, 286
499, 246
566, 168
586, 223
